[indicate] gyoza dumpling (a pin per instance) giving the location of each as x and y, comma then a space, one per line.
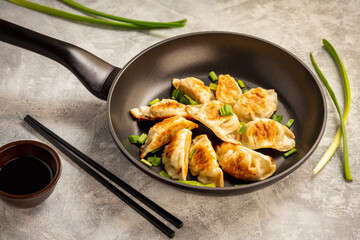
225, 127
162, 133
228, 90
203, 162
256, 103
163, 109
195, 88
243, 163
175, 156
267, 133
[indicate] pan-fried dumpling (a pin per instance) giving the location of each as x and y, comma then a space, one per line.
225, 127
163, 109
228, 90
203, 162
175, 156
256, 103
243, 163
162, 133
267, 133
195, 88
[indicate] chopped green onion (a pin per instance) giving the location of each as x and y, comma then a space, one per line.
164, 174
189, 127
277, 118
343, 118
146, 162
289, 123
241, 83
192, 102
241, 184
157, 150
226, 110
155, 161
154, 101
133, 138
290, 152
184, 100
175, 93
213, 76
245, 91
196, 183
213, 86
80, 18
243, 128
142, 139
192, 153
179, 23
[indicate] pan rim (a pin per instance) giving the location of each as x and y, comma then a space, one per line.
224, 190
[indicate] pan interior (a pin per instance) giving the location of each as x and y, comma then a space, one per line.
257, 62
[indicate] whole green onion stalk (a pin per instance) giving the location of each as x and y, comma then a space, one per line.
125, 23
343, 118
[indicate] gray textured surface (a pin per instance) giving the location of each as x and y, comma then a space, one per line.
300, 206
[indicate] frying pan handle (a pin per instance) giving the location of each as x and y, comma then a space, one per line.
94, 73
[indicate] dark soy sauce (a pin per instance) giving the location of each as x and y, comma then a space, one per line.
24, 175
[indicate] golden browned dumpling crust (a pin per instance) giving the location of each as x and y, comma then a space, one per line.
204, 164
162, 133
228, 90
195, 88
256, 103
243, 163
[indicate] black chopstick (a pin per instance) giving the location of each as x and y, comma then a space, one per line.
62, 146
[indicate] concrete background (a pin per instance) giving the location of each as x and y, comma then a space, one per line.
301, 206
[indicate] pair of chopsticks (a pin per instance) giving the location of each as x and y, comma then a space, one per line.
84, 161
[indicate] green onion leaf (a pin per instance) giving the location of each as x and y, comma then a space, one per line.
154, 101
213, 86
75, 17
133, 139
149, 24
213, 76
277, 118
245, 91
146, 162
290, 152
289, 123
184, 100
243, 128
164, 174
196, 183
343, 118
142, 139
226, 110
241, 83
192, 153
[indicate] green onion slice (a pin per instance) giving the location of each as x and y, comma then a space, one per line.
164, 174
192, 153
213, 86
133, 138
154, 101
289, 123
290, 152
155, 161
142, 139
245, 91
226, 110
277, 118
213, 76
146, 162
243, 128
157, 150
196, 183
241, 83
191, 101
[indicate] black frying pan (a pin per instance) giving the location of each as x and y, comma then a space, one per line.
148, 75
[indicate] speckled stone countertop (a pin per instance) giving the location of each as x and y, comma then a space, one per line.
301, 206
